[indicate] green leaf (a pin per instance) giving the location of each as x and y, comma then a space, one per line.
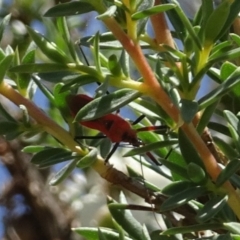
144, 4
216, 22
196, 174
33, 149
43, 89
106, 104
52, 51
234, 11
211, 208
114, 65
125, 219
233, 227
70, 79
176, 187
150, 147
9, 127
226, 148
50, 156
182, 198
96, 52
68, 9
63, 28
232, 167
219, 128
220, 91
101, 235
88, 159
153, 10
206, 116
227, 69
235, 38
232, 237
39, 67
24, 79
5, 21
188, 109
192, 228
60, 99
186, 25
4, 66
220, 49
63, 173
105, 147
124, 62
235, 136
233, 120
188, 151
92, 233
175, 168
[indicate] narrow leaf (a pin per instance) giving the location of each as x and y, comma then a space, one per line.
88, 159
153, 10
211, 208
216, 22
175, 168
193, 228
33, 149
182, 198
4, 66
233, 227
125, 219
206, 116
232, 167
106, 104
150, 147
92, 233
196, 174
3, 24
188, 151
52, 51
232, 119
63, 173
220, 91
68, 9
176, 187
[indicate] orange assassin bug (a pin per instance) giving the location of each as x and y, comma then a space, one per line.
113, 126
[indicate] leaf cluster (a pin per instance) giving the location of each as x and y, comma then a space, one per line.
209, 51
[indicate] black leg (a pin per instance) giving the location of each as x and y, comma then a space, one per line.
139, 119
111, 152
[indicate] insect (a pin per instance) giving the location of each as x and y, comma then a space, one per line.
113, 126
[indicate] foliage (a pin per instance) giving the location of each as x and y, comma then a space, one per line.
204, 172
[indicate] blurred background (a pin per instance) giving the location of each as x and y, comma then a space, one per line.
29, 207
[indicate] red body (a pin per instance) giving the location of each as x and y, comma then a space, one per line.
112, 125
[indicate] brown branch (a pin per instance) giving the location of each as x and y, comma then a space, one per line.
46, 218
118, 178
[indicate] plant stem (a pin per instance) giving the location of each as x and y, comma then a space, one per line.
48, 124
159, 95
161, 30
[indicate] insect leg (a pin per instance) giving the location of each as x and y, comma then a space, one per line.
139, 119
111, 152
